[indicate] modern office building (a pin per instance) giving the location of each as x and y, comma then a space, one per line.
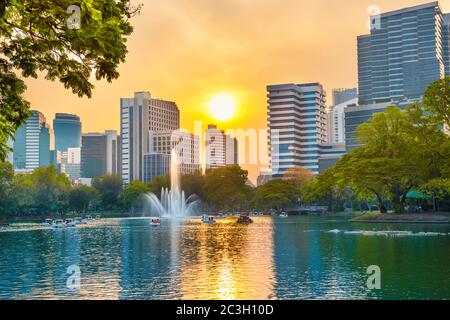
264, 177
357, 115
297, 126
185, 146
343, 95
93, 155
100, 154
67, 128
155, 165
329, 155
336, 121
112, 152
32, 144
406, 51
139, 116
220, 149
231, 151
70, 163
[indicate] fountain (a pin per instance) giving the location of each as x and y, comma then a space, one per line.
173, 202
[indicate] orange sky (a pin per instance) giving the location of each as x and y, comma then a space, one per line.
186, 50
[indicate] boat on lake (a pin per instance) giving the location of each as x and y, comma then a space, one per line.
208, 219
58, 224
284, 215
155, 221
79, 220
244, 220
70, 223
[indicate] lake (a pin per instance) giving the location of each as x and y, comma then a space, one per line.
273, 258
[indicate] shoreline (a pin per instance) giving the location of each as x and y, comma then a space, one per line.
416, 218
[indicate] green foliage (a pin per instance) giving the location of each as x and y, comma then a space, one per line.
192, 184
156, 185
437, 101
225, 187
132, 194
6, 178
22, 195
81, 197
276, 194
108, 189
401, 151
50, 189
35, 37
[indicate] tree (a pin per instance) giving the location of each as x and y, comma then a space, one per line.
299, 176
80, 198
276, 194
401, 151
132, 194
437, 101
225, 187
67, 42
22, 194
6, 178
50, 189
108, 188
192, 184
156, 185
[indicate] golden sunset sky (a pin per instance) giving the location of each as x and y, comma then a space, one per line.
187, 50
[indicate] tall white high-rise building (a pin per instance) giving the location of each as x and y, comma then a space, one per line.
32, 144
185, 145
112, 152
297, 126
140, 115
220, 149
336, 121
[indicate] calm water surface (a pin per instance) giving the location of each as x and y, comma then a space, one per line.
274, 258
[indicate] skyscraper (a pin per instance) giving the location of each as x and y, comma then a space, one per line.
221, 150
185, 145
297, 126
343, 95
357, 115
67, 128
93, 155
336, 121
406, 51
100, 154
32, 143
140, 115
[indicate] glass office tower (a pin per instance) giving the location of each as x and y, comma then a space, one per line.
406, 51
67, 129
32, 143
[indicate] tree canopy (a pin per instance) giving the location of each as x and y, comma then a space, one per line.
64, 40
402, 150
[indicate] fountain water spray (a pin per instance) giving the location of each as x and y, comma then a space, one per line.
173, 202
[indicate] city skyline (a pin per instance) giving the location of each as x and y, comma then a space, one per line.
251, 102
223, 57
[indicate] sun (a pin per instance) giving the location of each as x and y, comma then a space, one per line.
222, 106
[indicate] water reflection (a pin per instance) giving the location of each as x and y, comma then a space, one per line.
295, 258
227, 261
